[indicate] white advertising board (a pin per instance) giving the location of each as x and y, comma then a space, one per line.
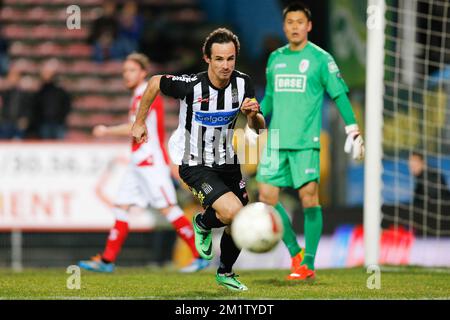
63, 186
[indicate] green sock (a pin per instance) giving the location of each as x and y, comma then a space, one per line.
289, 236
313, 231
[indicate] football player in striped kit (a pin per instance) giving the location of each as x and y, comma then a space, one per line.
210, 103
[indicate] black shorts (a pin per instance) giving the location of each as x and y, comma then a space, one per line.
208, 184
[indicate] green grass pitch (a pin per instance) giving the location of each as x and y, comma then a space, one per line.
165, 283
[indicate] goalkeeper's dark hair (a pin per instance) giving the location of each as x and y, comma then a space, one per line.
297, 6
220, 35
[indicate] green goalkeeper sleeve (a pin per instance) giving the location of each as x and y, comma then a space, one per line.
345, 109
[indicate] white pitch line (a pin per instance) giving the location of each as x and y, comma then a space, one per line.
129, 298
405, 270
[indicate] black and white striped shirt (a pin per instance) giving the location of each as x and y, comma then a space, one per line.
207, 117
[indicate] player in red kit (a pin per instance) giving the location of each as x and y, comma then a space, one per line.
147, 181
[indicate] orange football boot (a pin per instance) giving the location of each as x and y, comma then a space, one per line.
302, 273
296, 260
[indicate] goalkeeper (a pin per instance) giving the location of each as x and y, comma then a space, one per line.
298, 74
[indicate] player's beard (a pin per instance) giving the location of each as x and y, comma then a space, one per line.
225, 77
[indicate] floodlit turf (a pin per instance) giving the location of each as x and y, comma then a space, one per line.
148, 283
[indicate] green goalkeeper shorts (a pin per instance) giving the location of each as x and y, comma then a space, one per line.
289, 168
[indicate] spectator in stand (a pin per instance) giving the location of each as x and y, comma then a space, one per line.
4, 59
105, 38
52, 104
431, 193
16, 100
157, 33
106, 23
131, 24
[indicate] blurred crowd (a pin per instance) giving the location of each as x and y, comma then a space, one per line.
29, 113
121, 30
115, 34
38, 108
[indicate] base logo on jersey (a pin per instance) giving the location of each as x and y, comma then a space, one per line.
215, 119
242, 184
290, 83
303, 66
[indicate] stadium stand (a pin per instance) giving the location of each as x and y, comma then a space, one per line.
37, 31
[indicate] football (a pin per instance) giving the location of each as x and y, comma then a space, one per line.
257, 228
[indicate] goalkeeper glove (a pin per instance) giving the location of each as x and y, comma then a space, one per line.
354, 141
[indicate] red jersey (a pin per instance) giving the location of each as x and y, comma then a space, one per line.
152, 152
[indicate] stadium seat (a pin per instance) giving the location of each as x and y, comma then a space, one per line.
83, 67
75, 120
10, 14
81, 50
37, 14
26, 65
43, 31
14, 31
18, 48
78, 135
116, 85
112, 67
48, 49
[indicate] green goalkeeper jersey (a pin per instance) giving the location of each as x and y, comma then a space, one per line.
296, 82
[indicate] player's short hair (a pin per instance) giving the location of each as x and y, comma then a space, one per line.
220, 35
297, 6
141, 59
